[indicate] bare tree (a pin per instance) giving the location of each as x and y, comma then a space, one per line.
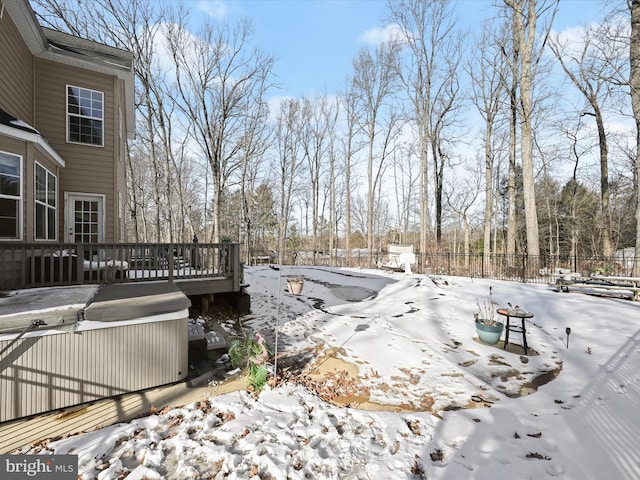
219, 79
290, 159
525, 15
321, 118
511, 55
634, 85
138, 190
253, 147
375, 80
460, 200
488, 70
332, 118
389, 131
444, 111
590, 70
576, 153
405, 185
159, 131
351, 108
427, 29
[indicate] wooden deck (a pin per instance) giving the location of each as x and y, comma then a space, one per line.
205, 286
601, 284
197, 268
129, 271
102, 413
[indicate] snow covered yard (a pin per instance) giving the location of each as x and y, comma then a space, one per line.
426, 399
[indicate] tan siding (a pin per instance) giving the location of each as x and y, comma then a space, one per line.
34, 90
16, 72
121, 173
13, 145
88, 169
49, 372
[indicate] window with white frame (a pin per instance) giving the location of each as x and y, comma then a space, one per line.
85, 116
10, 196
46, 201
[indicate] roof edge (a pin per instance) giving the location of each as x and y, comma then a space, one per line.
35, 37
38, 140
25, 20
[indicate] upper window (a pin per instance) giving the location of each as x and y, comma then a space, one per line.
45, 200
85, 116
10, 196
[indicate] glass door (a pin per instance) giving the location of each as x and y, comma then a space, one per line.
85, 218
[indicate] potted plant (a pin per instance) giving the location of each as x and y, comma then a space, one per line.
251, 354
294, 285
489, 328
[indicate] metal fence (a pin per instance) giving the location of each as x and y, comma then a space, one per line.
519, 267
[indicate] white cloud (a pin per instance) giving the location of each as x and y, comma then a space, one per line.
571, 38
216, 9
379, 35
275, 103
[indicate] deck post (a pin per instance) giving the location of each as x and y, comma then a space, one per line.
235, 265
80, 262
170, 258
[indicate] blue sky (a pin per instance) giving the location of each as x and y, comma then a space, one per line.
314, 41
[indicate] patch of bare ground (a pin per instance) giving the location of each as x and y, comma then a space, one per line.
330, 378
542, 379
338, 382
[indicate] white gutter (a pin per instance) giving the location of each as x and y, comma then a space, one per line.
38, 140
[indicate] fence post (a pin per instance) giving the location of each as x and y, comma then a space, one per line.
524, 267
482, 266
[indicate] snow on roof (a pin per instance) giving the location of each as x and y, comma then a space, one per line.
9, 120
89, 49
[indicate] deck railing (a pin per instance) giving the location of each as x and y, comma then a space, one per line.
30, 265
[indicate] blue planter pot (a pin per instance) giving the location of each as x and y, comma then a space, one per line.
489, 334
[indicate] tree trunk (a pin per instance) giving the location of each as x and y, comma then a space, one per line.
512, 220
634, 84
607, 247
488, 192
370, 199
526, 139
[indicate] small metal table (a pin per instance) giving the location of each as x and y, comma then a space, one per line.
515, 313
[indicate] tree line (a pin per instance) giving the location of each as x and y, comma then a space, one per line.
448, 139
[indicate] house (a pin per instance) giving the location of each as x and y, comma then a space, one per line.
66, 112
112, 317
